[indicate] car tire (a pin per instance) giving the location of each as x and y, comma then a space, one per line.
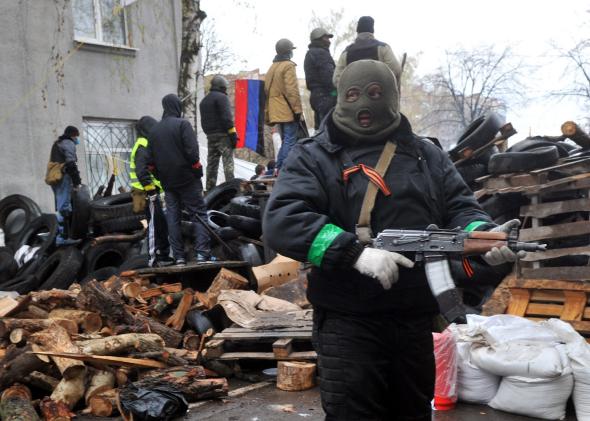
220, 196
121, 225
250, 254
105, 255
60, 270
217, 219
112, 207
138, 261
529, 144
250, 226
245, 206
21, 284
8, 266
100, 275
471, 172
80, 213
509, 162
16, 213
46, 223
482, 130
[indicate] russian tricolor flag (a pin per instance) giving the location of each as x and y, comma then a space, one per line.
249, 100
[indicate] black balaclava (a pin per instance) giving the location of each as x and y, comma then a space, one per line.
172, 106
365, 24
367, 107
144, 125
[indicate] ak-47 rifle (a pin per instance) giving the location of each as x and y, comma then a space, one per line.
433, 246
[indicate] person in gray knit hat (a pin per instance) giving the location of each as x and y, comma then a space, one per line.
367, 47
373, 309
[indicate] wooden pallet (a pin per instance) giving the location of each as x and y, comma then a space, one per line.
236, 343
540, 299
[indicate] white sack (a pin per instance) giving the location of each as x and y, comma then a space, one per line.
513, 359
504, 328
474, 384
582, 393
541, 398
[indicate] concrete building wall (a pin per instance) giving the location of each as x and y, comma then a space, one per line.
39, 96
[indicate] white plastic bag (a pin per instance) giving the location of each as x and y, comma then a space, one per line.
474, 384
515, 359
541, 398
445, 355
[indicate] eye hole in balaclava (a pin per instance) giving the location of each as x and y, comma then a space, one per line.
368, 101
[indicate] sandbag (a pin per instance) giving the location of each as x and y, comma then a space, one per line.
504, 328
513, 359
541, 398
474, 384
582, 393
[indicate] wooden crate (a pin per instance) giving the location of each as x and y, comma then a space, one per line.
236, 343
540, 299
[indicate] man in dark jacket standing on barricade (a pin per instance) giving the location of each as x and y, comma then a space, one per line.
218, 124
373, 309
174, 150
319, 69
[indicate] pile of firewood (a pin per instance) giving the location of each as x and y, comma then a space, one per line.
76, 349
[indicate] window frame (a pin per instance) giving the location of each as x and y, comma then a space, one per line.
98, 29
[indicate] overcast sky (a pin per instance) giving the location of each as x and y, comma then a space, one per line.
428, 28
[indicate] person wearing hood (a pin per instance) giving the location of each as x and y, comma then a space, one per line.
365, 172
367, 47
144, 185
174, 151
218, 124
319, 70
283, 102
63, 176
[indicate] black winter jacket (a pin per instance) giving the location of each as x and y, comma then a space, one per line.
216, 115
319, 68
64, 152
310, 193
172, 147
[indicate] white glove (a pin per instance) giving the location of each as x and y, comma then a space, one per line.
381, 265
497, 256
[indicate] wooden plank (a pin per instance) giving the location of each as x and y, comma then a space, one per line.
294, 356
263, 335
518, 302
582, 327
193, 267
579, 166
546, 310
282, 330
575, 302
569, 229
108, 360
554, 253
512, 281
282, 348
213, 348
569, 273
543, 210
574, 182
547, 296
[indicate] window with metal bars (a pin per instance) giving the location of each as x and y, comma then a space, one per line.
108, 145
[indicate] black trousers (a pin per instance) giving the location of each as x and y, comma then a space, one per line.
374, 367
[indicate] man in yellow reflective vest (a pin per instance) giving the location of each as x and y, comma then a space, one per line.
145, 186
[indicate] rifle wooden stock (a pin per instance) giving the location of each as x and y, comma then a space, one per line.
487, 235
476, 246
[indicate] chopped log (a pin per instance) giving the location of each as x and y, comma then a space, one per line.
294, 291
122, 286
19, 336
160, 306
101, 381
55, 411
41, 381
54, 298
34, 325
571, 130
17, 364
295, 375
95, 297
113, 345
106, 331
122, 376
192, 356
160, 290
88, 321
225, 279
105, 359
171, 337
8, 305
70, 391
189, 380
131, 289
191, 340
163, 356
103, 404
38, 312
15, 405
56, 339
176, 321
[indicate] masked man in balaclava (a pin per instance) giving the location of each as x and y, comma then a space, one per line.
373, 309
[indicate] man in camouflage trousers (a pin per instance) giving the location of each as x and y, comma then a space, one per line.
217, 123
